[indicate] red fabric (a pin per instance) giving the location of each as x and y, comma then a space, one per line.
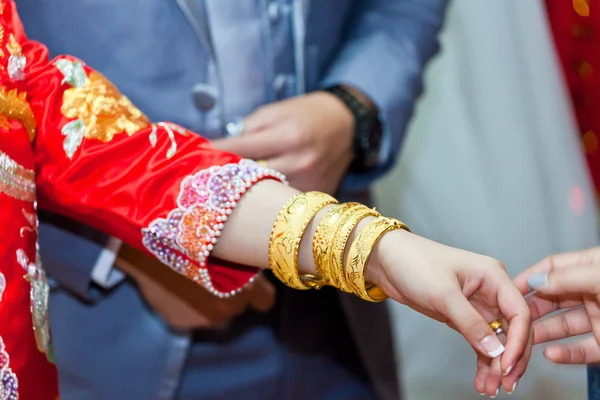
37, 377
577, 43
119, 186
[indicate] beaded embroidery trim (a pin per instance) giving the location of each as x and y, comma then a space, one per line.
184, 239
15, 180
39, 291
9, 385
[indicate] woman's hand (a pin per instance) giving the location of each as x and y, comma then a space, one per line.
467, 291
569, 282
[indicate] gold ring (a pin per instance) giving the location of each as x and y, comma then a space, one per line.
262, 163
497, 327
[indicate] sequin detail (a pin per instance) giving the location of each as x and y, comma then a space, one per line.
16, 61
9, 385
184, 239
14, 105
15, 180
39, 291
99, 111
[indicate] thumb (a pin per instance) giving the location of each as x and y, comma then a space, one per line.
472, 326
575, 279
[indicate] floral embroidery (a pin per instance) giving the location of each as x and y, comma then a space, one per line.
15, 180
39, 291
184, 239
9, 385
14, 105
16, 61
99, 110
74, 132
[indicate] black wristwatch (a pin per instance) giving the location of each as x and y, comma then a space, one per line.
368, 132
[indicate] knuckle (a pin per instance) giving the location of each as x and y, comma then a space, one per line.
565, 326
296, 138
581, 352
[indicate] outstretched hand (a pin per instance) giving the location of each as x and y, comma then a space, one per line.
467, 291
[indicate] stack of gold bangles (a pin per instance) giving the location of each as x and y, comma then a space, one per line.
329, 244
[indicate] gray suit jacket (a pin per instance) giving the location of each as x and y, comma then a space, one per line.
164, 57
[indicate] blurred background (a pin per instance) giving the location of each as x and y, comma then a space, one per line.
499, 160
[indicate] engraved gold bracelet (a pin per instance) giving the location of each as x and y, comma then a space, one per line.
359, 254
348, 223
287, 234
322, 245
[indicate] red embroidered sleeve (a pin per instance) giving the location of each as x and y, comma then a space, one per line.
99, 160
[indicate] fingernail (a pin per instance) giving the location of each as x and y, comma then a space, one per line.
508, 370
538, 280
494, 396
492, 346
514, 387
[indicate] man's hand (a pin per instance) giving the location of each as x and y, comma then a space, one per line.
307, 138
569, 283
184, 304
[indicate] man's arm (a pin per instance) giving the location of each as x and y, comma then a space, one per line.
384, 55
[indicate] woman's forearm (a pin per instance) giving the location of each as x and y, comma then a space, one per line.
246, 236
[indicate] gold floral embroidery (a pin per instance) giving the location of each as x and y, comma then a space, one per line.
14, 105
104, 111
15, 180
13, 47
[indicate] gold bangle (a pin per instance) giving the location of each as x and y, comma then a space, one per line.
287, 234
348, 223
359, 254
323, 243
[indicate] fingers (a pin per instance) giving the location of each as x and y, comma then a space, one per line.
471, 325
557, 261
574, 279
483, 370
540, 306
261, 145
516, 312
585, 351
511, 379
264, 117
561, 326
494, 378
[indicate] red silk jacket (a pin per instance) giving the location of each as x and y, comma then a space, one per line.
72, 144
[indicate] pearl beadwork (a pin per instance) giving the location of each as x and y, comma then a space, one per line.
184, 239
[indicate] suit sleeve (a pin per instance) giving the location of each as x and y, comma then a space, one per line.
99, 160
384, 55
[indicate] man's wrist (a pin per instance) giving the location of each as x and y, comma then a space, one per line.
360, 96
368, 132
